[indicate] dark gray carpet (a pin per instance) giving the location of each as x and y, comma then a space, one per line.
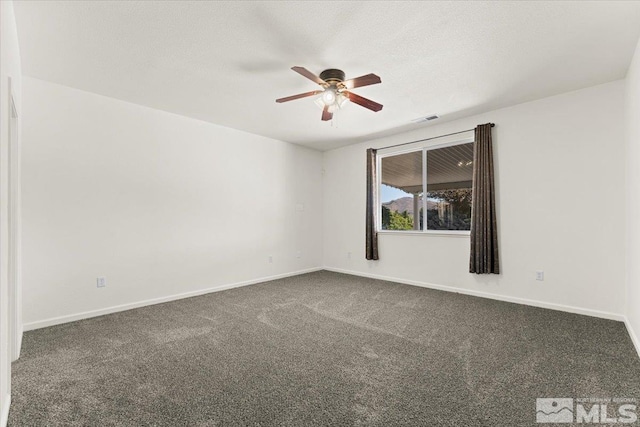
319, 349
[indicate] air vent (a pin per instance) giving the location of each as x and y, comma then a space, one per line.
425, 118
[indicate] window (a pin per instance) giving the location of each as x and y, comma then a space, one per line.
445, 171
401, 191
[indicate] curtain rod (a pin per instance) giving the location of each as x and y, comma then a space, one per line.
428, 139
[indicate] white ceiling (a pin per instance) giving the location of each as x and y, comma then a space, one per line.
227, 62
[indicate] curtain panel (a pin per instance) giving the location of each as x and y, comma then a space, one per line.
484, 258
371, 239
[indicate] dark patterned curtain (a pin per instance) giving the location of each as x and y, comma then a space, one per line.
371, 243
484, 227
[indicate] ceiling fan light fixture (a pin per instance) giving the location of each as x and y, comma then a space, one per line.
341, 100
329, 96
338, 102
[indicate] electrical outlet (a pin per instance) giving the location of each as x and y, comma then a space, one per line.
299, 254
101, 282
348, 255
270, 259
540, 276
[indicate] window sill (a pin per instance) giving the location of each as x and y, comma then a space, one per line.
445, 233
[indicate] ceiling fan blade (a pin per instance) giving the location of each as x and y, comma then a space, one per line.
326, 114
366, 103
369, 79
298, 96
308, 74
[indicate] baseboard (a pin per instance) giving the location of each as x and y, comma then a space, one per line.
101, 312
4, 416
632, 333
15, 350
516, 300
16, 355
560, 307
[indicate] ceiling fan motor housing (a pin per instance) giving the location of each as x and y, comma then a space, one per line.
332, 76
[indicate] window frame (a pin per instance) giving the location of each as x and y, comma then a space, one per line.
424, 147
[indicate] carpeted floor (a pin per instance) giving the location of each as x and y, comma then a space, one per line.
319, 349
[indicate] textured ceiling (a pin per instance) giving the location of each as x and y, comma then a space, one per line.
227, 62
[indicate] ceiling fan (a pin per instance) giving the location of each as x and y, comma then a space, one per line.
335, 90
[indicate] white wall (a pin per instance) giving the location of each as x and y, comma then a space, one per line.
9, 69
632, 109
157, 203
560, 204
